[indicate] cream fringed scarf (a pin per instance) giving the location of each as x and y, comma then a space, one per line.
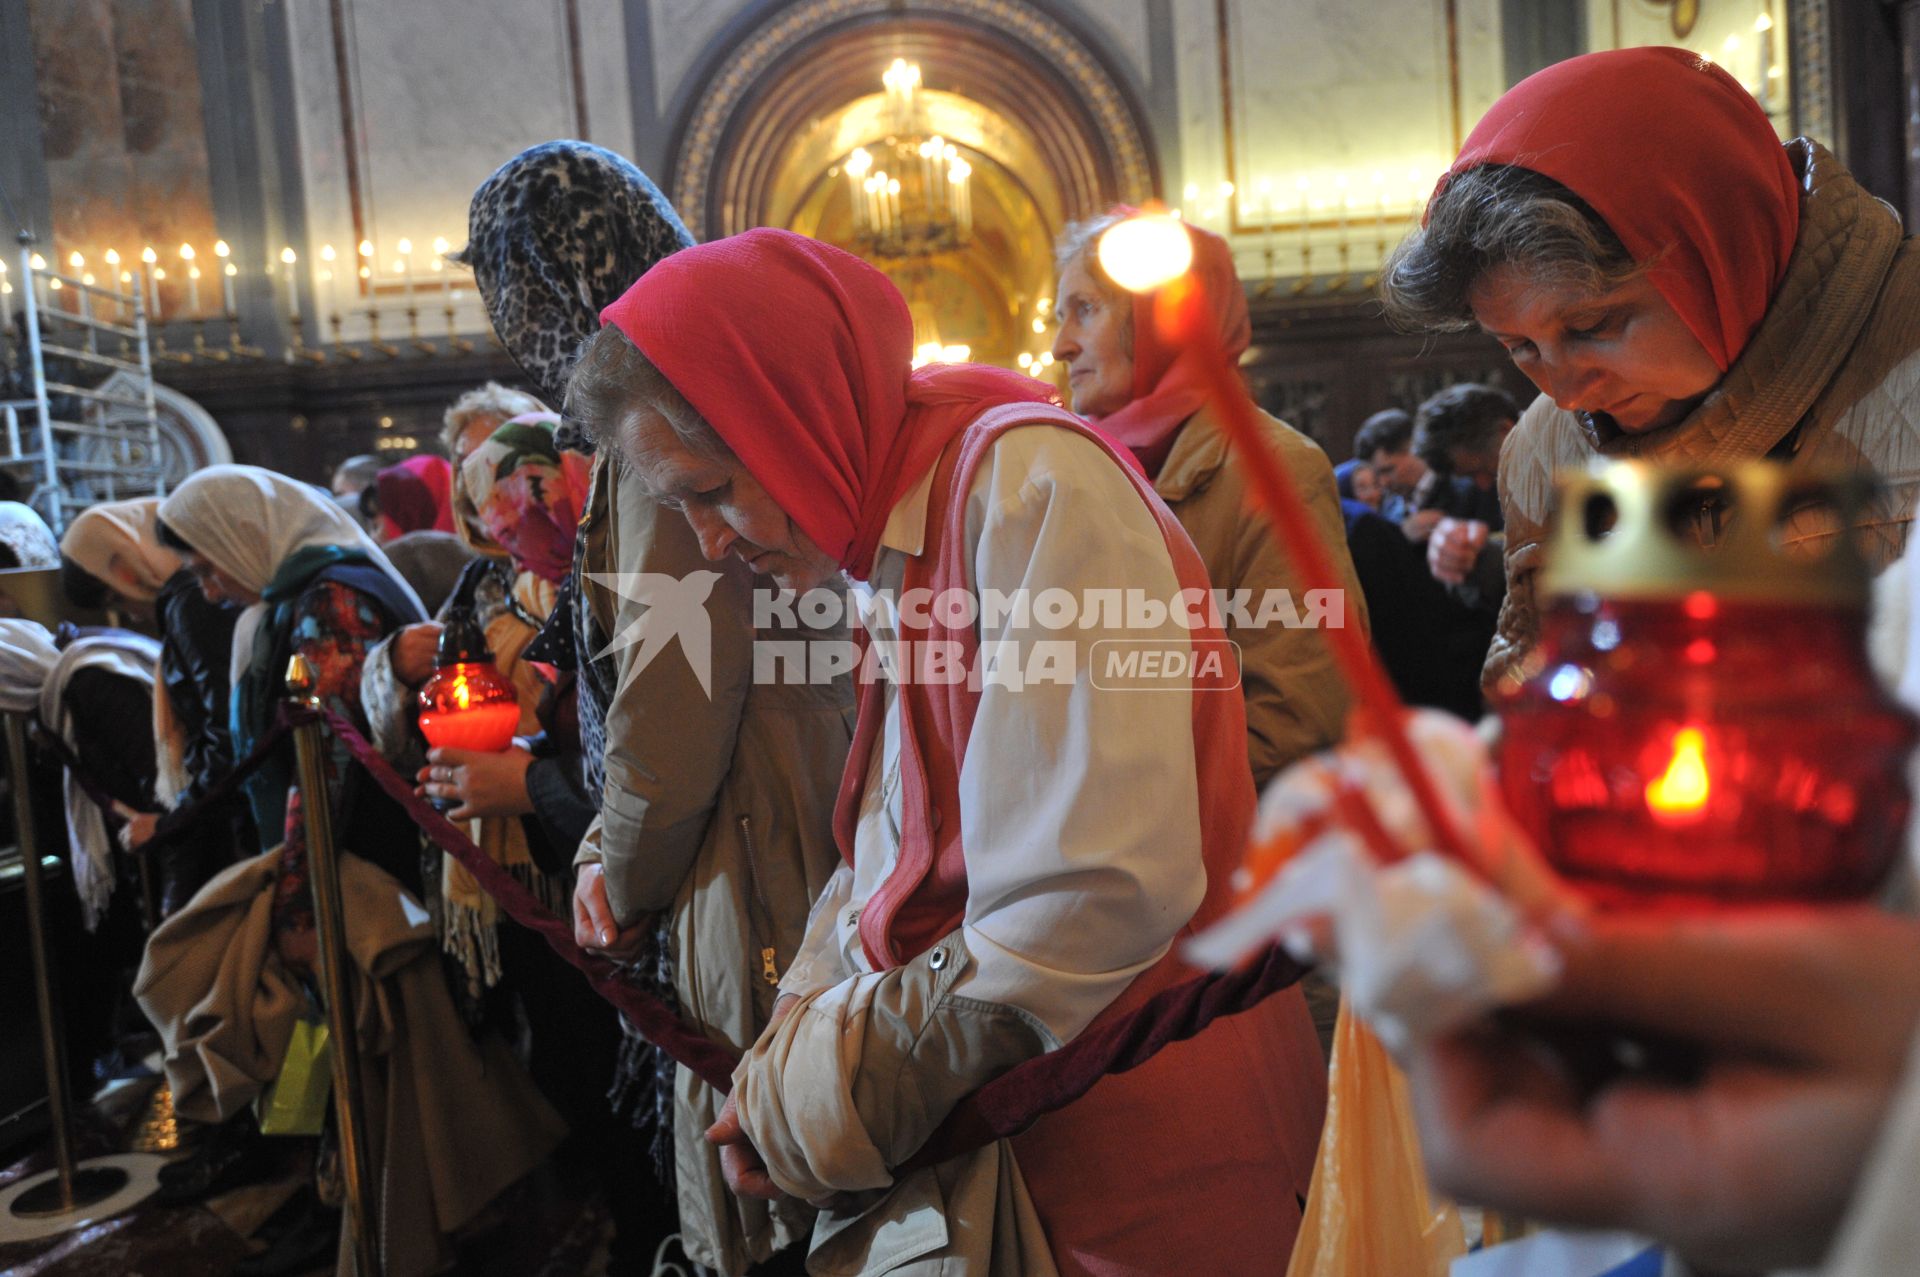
468, 914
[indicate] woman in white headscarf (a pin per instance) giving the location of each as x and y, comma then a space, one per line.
309, 582
76, 693
25, 539
116, 546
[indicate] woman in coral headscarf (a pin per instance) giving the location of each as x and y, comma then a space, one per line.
1126, 376
1681, 288
1022, 847
414, 496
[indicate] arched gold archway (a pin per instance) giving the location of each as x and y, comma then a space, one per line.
1047, 129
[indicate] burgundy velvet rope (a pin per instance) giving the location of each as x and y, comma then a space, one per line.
1003, 1107
711, 1061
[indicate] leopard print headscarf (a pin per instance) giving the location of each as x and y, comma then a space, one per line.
559, 232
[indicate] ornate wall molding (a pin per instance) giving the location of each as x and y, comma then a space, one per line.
752, 93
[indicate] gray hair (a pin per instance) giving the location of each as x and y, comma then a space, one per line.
1498, 215
614, 379
1078, 243
492, 401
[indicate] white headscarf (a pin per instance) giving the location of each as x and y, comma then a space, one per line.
248, 521
34, 675
23, 531
121, 534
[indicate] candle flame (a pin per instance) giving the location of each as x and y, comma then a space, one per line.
148, 256
288, 256
112, 258
75, 260
1681, 791
462, 697
1145, 252
186, 252
220, 248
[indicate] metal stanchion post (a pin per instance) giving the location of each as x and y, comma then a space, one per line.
71, 1188
323, 873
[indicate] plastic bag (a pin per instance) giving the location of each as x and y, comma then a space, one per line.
1370, 1210
296, 1101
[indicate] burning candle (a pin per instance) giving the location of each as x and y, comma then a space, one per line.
406, 265
227, 274
287, 259
149, 258
193, 279
327, 257
440, 249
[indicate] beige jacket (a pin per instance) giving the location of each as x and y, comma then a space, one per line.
1830, 380
718, 809
450, 1123
1296, 699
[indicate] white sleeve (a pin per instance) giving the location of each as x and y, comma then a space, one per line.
817, 964
1080, 805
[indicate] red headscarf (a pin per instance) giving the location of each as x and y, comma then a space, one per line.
1677, 159
799, 355
1168, 386
415, 496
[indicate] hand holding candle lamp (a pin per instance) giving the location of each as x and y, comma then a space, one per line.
467, 704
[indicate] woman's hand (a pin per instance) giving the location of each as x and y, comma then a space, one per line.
594, 927
1801, 1019
137, 826
413, 651
740, 1162
485, 784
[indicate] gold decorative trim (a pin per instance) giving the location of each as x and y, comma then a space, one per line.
762, 50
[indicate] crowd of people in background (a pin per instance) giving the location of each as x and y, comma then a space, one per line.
882, 894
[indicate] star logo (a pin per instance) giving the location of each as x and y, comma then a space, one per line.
676, 607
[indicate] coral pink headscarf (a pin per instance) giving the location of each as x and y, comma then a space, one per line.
1168, 386
1677, 159
415, 496
800, 356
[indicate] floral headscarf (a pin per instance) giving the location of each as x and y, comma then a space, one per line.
528, 493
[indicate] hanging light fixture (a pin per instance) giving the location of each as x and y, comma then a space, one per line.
911, 195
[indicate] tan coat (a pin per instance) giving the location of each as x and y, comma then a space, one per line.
719, 810
450, 1123
1296, 699
1830, 380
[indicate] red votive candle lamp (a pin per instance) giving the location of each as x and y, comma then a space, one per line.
467, 703
1700, 726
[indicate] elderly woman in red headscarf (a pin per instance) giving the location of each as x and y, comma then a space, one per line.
1680, 286
1025, 833
1124, 375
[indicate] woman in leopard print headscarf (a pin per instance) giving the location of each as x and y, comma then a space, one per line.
714, 833
555, 234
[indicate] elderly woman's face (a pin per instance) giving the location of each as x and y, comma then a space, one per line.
216, 586
1095, 342
728, 509
1625, 353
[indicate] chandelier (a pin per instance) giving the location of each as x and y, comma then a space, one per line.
911, 194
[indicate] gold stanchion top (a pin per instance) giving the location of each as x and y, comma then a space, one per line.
1632, 529
300, 679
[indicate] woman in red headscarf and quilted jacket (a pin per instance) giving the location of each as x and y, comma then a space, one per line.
1024, 847
1680, 286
